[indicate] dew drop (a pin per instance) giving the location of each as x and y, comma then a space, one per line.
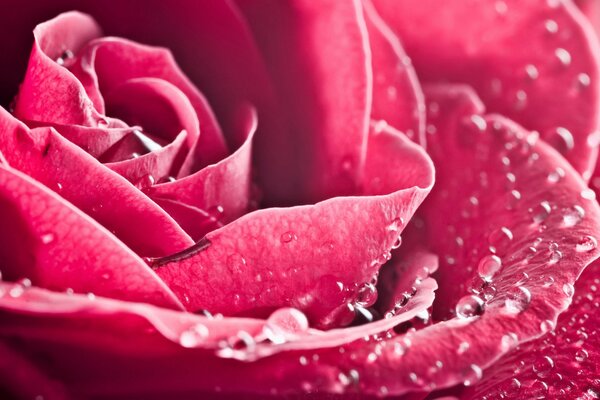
463, 347
395, 225
556, 175
500, 239
562, 139
367, 295
587, 243
547, 326
573, 216
284, 325
64, 57
518, 298
541, 212
543, 366
472, 375
588, 194
397, 243
581, 355
469, 306
509, 341
563, 56
584, 80
568, 289
287, 237
47, 238
193, 336
551, 26
532, 72
489, 266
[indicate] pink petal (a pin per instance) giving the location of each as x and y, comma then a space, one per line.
47, 157
324, 88
591, 9
546, 82
107, 64
53, 244
397, 96
50, 93
565, 363
221, 189
309, 257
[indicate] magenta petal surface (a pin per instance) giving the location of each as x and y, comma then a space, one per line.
48, 157
547, 83
563, 364
324, 88
313, 258
397, 96
55, 246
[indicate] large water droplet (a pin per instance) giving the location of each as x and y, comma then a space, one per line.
581, 355
543, 366
509, 341
568, 289
489, 266
285, 324
472, 375
517, 299
541, 212
367, 294
469, 306
572, 216
587, 243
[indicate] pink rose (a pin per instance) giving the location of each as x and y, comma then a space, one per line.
243, 217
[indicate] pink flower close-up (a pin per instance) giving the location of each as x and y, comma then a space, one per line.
300, 199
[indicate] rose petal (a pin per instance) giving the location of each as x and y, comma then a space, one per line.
222, 190
47, 157
308, 257
49, 92
548, 82
397, 96
324, 87
591, 9
108, 64
562, 364
54, 245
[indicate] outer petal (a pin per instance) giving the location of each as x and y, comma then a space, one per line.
53, 244
49, 158
324, 87
310, 257
563, 364
549, 82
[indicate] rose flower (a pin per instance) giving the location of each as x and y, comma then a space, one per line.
334, 199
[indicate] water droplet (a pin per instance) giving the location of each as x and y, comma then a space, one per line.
287, 237
563, 56
367, 295
145, 182
284, 325
489, 266
472, 375
380, 126
551, 26
509, 341
584, 80
573, 216
64, 57
397, 243
193, 336
47, 238
568, 289
543, 366
396, 225
469, 306
500, 239
517, 299
148, 144
541, 212
463, 347
556, 175
587, 243
581, 355
588, 194
547, 326
532, 72
561, 139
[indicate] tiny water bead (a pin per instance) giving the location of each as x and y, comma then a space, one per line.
562, 139
489, 266
499, 239
472, 375
543, 366
47, 238
469, 306
64, 57
532, 71
551, 26
540, 212
287, 237
563, 56
509, 341
193, 336
556, 175
517, 299
367, 294
568, 289
572, 216
581, 355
